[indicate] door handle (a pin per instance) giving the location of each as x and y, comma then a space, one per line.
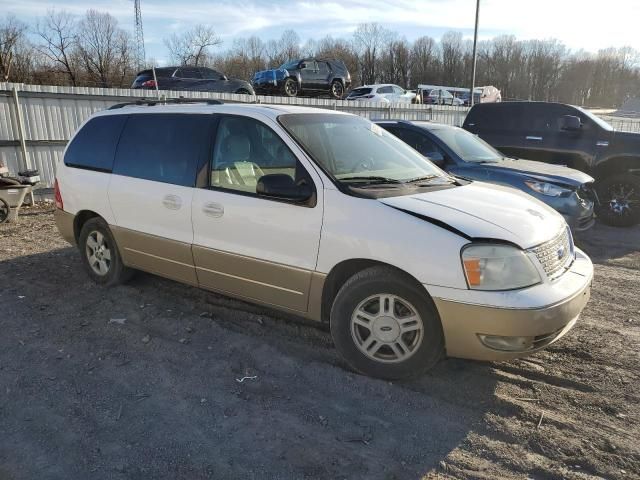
531, 137
212, 209
172, 202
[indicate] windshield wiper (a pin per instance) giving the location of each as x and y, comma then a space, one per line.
371, 179
419, 179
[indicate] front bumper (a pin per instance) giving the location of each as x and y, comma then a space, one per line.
577, 209
539, 315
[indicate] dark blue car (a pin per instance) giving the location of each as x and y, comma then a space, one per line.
463, 154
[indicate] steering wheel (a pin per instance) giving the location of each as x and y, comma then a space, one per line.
363, 164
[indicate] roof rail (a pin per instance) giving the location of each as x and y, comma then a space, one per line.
150, 102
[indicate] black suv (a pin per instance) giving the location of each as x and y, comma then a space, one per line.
308, 76
199, 79
568, 135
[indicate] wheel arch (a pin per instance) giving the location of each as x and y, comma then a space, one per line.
344, 270
80, 219
615, 165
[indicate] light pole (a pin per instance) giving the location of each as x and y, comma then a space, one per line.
473, 61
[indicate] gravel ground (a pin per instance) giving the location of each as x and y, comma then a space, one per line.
159, 380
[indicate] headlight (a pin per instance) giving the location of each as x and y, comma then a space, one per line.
547, 188
498, 267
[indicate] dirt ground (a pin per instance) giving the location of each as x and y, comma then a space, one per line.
159, 380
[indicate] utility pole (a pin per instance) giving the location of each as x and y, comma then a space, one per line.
139, 37
475, 54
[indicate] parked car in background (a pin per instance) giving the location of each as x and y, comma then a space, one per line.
199, 79
488, 94
324, 215
384, 93
568, 135
439, 96
460, 153
307, 76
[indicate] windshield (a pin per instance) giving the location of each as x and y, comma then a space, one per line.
360, 91
292, 65
351, 148
600, 122
466, 145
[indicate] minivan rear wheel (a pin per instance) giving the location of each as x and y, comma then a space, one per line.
100, 255
386, 326
619, 197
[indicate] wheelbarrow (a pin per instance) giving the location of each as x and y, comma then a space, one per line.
11, 198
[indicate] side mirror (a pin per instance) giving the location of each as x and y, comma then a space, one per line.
279, 185
302, 65
570, 123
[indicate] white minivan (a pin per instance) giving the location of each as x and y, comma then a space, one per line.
327, 216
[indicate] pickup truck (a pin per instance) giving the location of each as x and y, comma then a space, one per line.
568, 135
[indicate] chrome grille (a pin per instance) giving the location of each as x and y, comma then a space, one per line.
556, 255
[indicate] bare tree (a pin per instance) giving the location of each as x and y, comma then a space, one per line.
58, 32
104, 49
11, 36
192, 46
425, 61
369, 39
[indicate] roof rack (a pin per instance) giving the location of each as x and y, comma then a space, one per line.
150, 102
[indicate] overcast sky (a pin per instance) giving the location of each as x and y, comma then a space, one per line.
580, 24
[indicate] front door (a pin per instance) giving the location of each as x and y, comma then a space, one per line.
151, 191
248, 245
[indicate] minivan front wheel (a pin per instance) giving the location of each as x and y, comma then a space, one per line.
100, 254
619, 197
386, 326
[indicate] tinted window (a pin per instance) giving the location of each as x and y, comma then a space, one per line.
245, 150
323, 67
417, 141
211, 74
163, 147
495, 117
385, 90
94, 147
188, 72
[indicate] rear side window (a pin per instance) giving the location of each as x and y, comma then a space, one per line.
94, 147
495, 117
163, 147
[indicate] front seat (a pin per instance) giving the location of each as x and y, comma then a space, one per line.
235, 166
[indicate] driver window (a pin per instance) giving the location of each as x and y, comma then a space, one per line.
419, 142
245, 150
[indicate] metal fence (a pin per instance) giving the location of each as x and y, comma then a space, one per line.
37, 121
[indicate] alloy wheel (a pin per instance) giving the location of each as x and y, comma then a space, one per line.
337, 90
98, 253
387, 328
623, 199
291, 88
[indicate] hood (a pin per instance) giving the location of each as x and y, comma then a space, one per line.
273, 74
630, 137
484, 211
546, 172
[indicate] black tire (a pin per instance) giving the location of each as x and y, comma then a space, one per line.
619, 200
116, 273
290, 87
5, 211
386, 281
337, 90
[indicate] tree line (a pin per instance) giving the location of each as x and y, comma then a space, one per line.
93, 50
